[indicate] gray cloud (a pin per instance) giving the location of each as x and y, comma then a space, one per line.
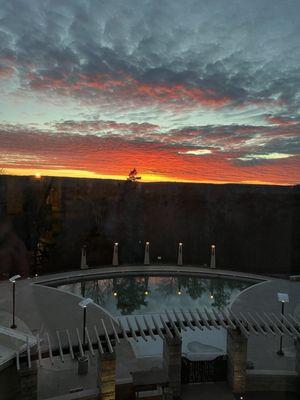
247, 51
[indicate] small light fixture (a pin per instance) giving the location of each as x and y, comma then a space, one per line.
211, 296
146, 292
179, 292
115, 294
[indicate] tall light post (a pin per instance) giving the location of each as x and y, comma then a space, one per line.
83, 304
282, 298
13, 281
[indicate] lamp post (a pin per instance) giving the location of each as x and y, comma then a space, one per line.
282, 298
83, 304
13, 281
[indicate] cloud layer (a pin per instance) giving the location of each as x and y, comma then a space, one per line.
183, 90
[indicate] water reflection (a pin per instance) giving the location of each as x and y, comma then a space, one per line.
152, 294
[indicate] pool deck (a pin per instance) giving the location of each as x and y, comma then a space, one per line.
38, 308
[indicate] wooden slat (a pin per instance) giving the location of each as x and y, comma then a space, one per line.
257, 324
237, 321
266, 326
203, 319
70, 344
179, 321
249, 325
219, 319
196, 320
98, 340
281, 324
60, 347
157, 328
132, 330
187, 320
89, 341
141, 330
172, 323
123, 330
114, 331
110, 348
273, 325
211, 318
226, 317
50, 348
79, 343
151, 333
168, 332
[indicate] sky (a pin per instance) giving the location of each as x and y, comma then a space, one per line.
201, 91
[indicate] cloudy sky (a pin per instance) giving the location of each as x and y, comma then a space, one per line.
205, 91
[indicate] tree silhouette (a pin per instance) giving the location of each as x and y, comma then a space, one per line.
130, 294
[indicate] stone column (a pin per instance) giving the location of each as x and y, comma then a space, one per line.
28, 381
147, 254
179, 258
107, 376
237, 361
172, 364
213, 256
115, 260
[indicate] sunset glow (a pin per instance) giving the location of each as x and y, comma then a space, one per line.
177, 90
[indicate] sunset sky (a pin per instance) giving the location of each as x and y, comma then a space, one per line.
193, 90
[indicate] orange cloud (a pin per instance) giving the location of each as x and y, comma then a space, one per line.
114, 157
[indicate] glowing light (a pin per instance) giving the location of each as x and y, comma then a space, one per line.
146, 292
179, 292
115, 294
38, 176
211, 296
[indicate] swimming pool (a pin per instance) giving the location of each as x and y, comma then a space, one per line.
135, 295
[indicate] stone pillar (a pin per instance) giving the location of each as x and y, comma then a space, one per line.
147, 254
172, 364
83, 263
28, 381
115, 260
237, 361
179, 259
107, 376
213, 257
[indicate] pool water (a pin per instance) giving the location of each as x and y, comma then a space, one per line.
137, 295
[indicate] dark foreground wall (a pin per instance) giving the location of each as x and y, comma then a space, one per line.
254, 228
